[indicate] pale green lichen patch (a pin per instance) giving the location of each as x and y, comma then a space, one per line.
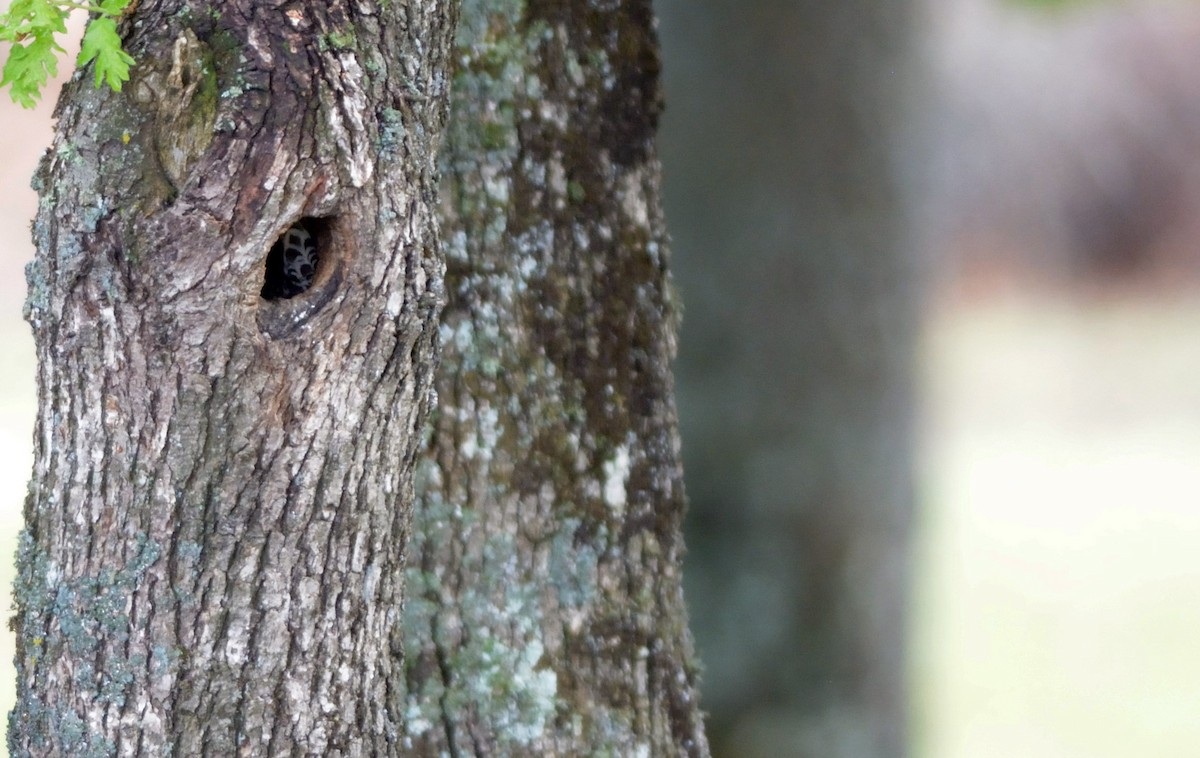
572, 566
493, 54
487, 642
338, 40
521, 697
58, 617
63, 251
58, 728
391, 131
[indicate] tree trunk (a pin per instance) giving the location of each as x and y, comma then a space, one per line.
790, 201
212, 559
217, 525
545, 614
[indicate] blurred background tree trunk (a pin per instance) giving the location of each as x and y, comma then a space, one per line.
784, 143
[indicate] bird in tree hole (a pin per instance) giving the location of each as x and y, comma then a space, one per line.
291, 264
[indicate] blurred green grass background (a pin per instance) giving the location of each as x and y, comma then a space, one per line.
1058, 581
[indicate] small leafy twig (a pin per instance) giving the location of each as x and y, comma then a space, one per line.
30, 27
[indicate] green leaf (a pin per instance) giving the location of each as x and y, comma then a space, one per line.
102, 44
26, 17
45, 16
29, 67
114, 7
30, 26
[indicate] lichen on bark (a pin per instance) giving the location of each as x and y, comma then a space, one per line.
215, 530
546, 540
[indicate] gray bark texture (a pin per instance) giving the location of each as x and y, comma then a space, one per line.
218, 527
790, 203
545, 612
212, 561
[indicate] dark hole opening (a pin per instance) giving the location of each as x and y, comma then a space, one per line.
295, 259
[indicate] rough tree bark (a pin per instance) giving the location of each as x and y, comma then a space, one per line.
217, 524
212, 558
545, 613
